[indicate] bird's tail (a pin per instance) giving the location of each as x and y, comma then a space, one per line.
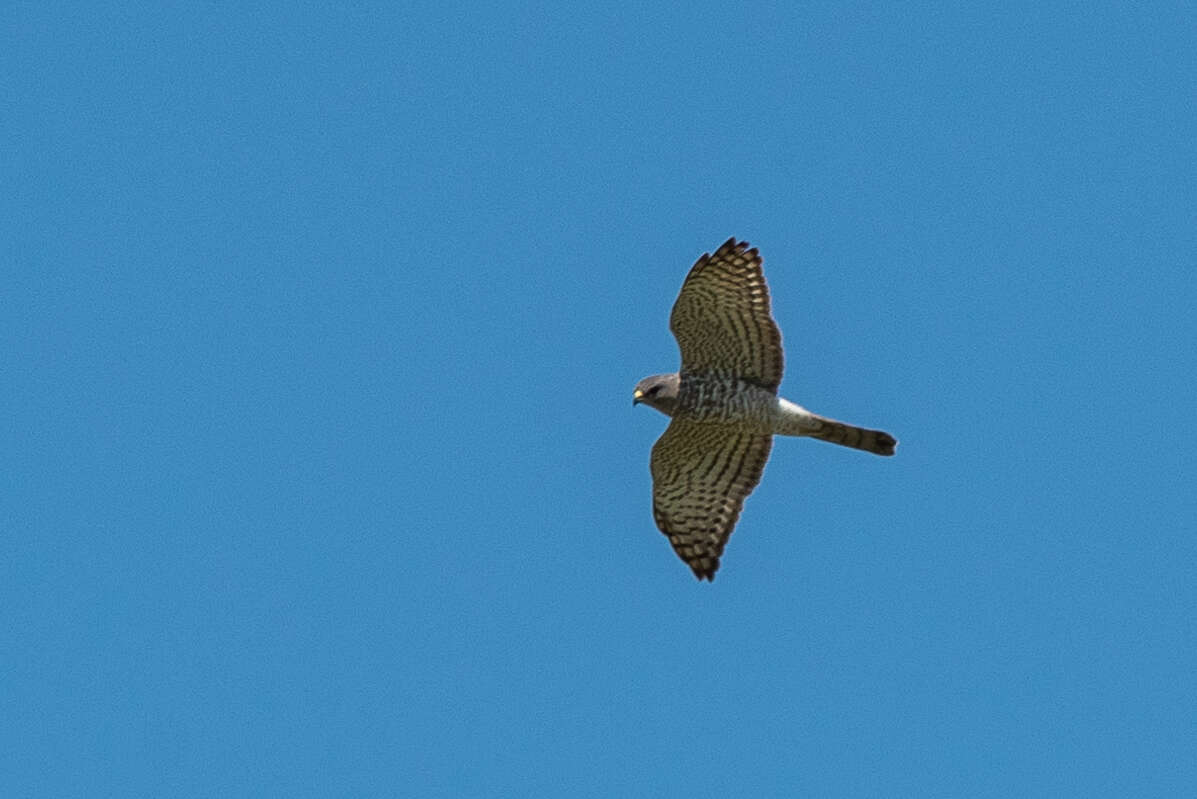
876, 441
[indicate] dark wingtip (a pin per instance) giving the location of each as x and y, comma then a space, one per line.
886, 444
735, 245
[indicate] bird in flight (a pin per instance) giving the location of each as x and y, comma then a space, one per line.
724, 406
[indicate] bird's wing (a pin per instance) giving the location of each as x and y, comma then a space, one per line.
701, 474
722, 321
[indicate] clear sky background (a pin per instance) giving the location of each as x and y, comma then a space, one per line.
321, 474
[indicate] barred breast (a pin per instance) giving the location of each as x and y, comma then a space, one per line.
721, 398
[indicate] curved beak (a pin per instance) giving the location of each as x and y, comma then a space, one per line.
637, 396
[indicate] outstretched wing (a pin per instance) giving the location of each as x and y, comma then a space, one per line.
701, 474
722, 321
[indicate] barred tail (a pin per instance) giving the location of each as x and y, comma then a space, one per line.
875, 441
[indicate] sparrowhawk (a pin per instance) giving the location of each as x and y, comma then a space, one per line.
724, 406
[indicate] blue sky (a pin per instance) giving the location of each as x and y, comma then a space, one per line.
323, 479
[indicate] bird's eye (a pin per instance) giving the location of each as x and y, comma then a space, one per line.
652, 392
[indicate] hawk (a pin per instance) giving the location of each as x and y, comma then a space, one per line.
724, 406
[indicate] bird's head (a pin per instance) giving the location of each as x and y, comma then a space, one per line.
658, 391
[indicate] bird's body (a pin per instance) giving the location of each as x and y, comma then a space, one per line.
715, 398
727, 400
724, 406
